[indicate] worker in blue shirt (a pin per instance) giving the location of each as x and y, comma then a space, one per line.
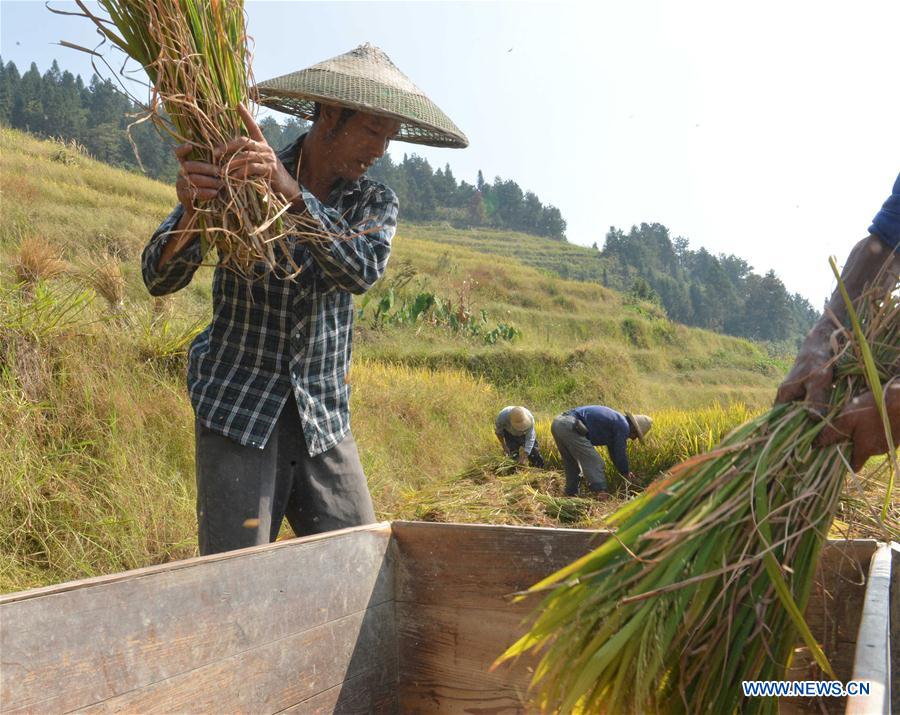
873, 262
578, 431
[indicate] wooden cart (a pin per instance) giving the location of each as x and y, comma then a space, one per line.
390, 618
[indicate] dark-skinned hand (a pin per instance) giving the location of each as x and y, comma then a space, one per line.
241, 157
811, 376
860, 423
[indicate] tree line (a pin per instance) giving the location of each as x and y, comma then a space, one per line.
721, 293
98, 116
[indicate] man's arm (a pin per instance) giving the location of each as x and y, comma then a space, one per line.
349, 257
618, 452
167, 276
871, 263
874, 260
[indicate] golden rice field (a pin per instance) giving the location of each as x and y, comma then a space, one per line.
96, 431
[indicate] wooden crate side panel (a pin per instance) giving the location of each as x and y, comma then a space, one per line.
281, 674
833, 614
455, 615
445, 654
78, 646
461, 578
479, 566
364, 694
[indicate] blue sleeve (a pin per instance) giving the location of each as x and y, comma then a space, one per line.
178, 270
886, 224
352, 258
618, 452
530, 440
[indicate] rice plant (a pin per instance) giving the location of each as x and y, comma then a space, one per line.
197, 57
37, 260
710, 569
104, 275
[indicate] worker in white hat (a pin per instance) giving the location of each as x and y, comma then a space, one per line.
514, 428
578, 431
268, 377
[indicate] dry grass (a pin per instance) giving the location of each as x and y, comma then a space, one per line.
104, 275
37, 261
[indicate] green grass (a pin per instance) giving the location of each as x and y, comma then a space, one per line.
96, 450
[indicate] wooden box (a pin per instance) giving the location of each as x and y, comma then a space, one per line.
390, 618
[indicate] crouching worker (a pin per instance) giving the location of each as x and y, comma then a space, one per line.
579, 430
514, 428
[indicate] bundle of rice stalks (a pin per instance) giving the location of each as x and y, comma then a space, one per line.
104, 275
37, 261
705, 580
196, 54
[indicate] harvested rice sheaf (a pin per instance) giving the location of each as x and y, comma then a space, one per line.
196, 54
704, 583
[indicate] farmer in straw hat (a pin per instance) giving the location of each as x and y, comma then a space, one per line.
874, 261
268, 377
579, 430
514, 428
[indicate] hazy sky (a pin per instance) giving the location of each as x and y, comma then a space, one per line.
768, 129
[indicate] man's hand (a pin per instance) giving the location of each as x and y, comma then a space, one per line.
811, 376
523, 458
252, 156
860, 423
197, 180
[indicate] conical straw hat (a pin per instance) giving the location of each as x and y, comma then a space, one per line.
640, 423
367, 80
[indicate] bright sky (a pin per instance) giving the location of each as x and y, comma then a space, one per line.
765, 129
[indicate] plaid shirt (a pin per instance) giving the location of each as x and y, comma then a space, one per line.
271, 337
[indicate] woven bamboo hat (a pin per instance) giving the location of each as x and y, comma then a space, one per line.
641, 424
520, 419
367, 80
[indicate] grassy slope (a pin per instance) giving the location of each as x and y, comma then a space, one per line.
96, 430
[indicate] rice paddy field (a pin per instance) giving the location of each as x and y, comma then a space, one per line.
96, 431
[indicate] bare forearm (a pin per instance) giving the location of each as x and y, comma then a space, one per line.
870, 263
184, 235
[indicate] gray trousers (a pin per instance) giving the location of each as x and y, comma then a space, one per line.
579, 456
244, 493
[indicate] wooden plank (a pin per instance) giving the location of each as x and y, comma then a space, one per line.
872, 660
445, 654
362, 695
182, 564
895, 628
461, 578
480, 566
833, 614
78, 644
278, 675
454, 612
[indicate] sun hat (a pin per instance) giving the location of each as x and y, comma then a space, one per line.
520, 419
641, 424
364, 79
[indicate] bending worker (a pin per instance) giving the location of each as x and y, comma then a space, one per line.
514, 428
267, 378
579, 430
873, 262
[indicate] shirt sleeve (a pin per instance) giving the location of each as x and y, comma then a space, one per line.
886, 224
352, 258
500, 422
179, 269
530, 440
618, 451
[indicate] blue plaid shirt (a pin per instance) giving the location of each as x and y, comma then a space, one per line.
270, 338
